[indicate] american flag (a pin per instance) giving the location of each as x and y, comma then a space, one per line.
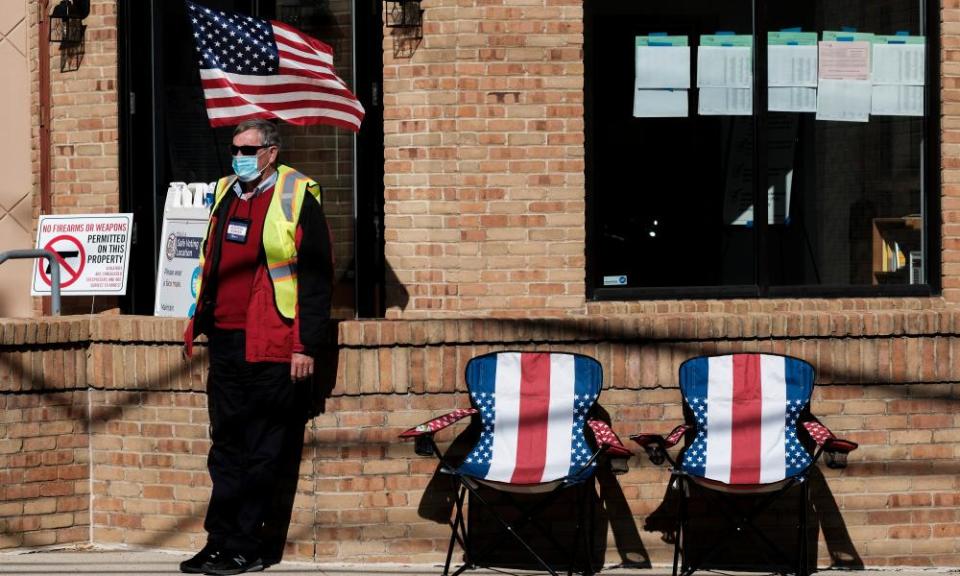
253, 68
533, 409
746, 407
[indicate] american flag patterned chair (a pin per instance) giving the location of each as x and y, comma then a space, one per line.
533, 410
751, 433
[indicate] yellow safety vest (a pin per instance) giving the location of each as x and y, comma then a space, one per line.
279, 233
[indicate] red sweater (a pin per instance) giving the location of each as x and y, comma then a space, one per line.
239, 262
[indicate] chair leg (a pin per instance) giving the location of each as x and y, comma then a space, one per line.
585, 515
577, 540
681, 527
456, 525
802, 567
592, 495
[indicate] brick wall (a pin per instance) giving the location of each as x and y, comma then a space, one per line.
484, 160
484, 149
84, 115
886, 379
950, 143
44, 441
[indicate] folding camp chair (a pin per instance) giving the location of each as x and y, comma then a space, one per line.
752, 434
533, 409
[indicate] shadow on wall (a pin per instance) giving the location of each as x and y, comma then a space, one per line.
778, 523
397, 295
404, 18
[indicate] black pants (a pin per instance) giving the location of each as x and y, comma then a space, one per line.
255, 417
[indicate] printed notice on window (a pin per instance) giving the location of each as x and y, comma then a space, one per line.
662, 66
844, 61
725, 102
844, 91
792, 72
725, 67
844, 100
662, 77
897, 101
660, 103
898, 78
792, 66
898, 64
792, 99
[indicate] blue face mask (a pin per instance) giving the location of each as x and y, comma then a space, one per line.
245, 167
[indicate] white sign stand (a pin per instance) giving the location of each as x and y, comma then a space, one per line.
185, 215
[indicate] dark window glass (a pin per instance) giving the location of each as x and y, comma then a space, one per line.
670, 200
857, 186
655, 182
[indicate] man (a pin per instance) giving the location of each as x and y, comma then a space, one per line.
264, 304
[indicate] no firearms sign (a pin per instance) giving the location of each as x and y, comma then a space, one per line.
91, 249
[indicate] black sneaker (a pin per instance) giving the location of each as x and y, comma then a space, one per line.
230, 563
195, 564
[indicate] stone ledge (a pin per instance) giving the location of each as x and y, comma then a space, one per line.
630, 328
665, 327
42, 331
137, 329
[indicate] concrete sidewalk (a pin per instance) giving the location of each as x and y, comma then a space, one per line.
125, 562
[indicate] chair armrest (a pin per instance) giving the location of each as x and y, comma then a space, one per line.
437, 424
818, 432
609, 443
656, 445
826, 439
835, 448
607, 439
669, 442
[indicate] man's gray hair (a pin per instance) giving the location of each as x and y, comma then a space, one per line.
269, 135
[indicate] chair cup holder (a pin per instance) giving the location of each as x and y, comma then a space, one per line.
836, 459
423, 445
656, 453
618, 464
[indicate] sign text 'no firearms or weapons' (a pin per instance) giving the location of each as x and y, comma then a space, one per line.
92, 252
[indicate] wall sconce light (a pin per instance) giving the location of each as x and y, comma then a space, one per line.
66, 22
403, 13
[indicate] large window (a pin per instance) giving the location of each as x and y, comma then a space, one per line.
849, 204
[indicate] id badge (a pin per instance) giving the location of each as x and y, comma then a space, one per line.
237, 230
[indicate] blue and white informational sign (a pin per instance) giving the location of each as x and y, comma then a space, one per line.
184, 226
